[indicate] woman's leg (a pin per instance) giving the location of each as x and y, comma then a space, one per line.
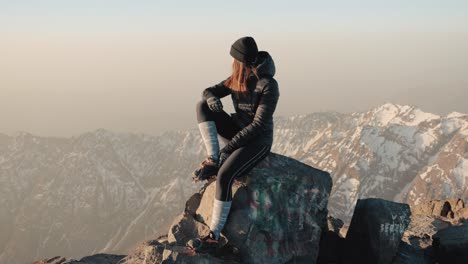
211, 124
241, 161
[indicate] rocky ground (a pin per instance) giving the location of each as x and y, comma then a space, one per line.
279, 215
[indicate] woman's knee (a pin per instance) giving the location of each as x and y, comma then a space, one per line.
200, 106
202, 111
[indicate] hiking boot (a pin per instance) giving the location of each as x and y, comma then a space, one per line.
206, 244
208, 169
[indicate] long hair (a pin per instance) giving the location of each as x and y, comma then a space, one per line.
238, 79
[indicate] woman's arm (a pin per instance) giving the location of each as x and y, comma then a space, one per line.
265, 110
218, 90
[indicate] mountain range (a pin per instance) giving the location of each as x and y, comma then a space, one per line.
57, 194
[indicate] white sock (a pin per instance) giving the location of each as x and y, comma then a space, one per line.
210, 138
219, 216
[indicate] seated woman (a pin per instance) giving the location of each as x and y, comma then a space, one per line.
248, 133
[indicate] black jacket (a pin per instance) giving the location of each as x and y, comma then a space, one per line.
254, 112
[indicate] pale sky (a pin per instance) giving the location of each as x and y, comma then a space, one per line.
67, 67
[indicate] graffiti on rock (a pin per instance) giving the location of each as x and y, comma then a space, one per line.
281, 218
393, 230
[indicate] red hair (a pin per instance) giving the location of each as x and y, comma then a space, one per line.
238, 79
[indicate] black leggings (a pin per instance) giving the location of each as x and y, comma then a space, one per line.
241, 160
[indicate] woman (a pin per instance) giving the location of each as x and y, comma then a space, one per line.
248, 133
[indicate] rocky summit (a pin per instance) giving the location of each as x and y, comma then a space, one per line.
279, 212
279, 215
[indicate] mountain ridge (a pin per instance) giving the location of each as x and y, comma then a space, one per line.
119, 184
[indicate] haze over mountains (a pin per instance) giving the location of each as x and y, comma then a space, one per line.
119, 189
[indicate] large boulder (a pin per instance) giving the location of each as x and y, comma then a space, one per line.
375, 231
331, 242
278, 213
451, 245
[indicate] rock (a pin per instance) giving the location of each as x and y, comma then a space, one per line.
192, 203
278, 212
334, 224
173, 256
408, 254
445, 208
425, 226
344, 230
456, 203
331, 242
331, 248
184, 228
94, 259
451, 245
147, 252
416, 243
100, 259
435, 207
375, 231
53, 260
462, 213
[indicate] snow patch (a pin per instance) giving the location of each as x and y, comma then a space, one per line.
460, 172
311, 141
385, 113
449, 125
349, 185
455, 114
417, 117
425, 140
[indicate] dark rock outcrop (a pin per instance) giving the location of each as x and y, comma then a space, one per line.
375, 231
331, 242
451, 245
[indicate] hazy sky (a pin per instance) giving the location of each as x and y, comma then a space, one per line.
67, 67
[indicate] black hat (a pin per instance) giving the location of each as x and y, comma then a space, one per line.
245, 50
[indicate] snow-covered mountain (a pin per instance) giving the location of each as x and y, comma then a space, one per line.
104, 192
394, 152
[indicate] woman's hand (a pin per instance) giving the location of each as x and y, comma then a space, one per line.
214, 103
